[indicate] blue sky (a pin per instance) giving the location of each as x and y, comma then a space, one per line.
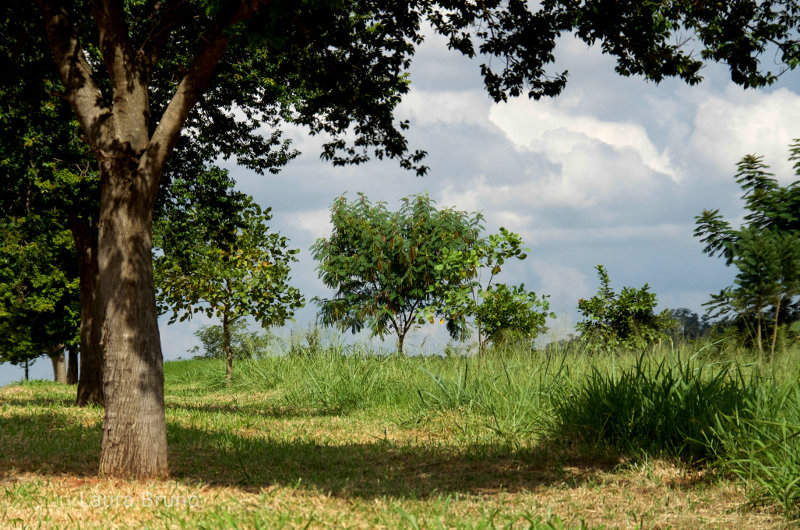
611, 172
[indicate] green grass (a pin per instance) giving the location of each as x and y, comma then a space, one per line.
526, 440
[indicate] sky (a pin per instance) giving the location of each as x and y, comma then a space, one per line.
612, 172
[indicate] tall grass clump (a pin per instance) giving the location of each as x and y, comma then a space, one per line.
760, 444
662, 406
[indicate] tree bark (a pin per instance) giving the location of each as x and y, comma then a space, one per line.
72, 366
27, 366
134, 440
400, 340
90, 381
226, 344
59, 363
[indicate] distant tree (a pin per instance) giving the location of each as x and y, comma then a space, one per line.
226, 274
244, 342
39, 299
625, 320
765, 249
475, 298
689, 325
383, 264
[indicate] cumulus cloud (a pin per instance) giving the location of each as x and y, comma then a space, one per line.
732, 124
598, 161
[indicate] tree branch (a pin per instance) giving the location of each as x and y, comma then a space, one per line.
153, 46
82, 92
191, 87
115, 45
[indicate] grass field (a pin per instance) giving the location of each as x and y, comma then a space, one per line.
542, 441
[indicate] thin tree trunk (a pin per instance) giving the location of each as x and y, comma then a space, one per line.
401, 338
226, 344
90, 379
56, 354
27, 364
774, 332
134, 442
72, 366
758, 337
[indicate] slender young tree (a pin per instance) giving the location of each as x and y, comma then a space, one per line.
229, 274
765, 250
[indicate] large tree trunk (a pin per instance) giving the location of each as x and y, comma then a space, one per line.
90, 382
134, 430
131, 159
56, 354
72, 366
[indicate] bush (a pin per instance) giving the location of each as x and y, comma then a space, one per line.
667, 407
625, 320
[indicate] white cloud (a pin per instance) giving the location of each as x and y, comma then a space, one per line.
731, 125
316, 222
425, 107
554, 128
616, 234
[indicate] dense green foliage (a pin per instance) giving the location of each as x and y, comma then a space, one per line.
39, 300
385, 266
621, 321
477, 298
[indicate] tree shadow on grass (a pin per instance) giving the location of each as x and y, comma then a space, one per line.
57, 443
261, 410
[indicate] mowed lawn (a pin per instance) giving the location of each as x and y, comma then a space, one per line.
337, 441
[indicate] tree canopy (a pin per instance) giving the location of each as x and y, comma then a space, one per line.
476, 299
382, 264
624, 320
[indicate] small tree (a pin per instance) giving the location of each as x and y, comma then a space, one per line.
244, 342
768, 264
765, 249
493, 308
228, 276
625, 320
383, 264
